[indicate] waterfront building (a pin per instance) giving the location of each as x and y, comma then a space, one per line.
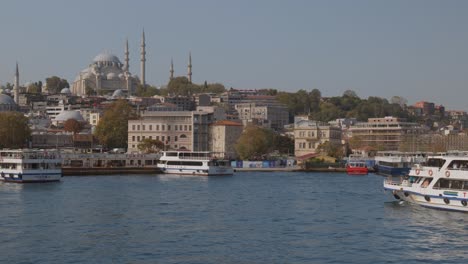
310, 134
178, 130
269, 116
385, 133
223, 137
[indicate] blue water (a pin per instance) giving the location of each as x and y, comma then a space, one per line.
246, 218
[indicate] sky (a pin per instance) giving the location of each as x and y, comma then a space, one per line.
416, 49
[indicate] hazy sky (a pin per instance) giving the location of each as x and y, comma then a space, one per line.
416, 49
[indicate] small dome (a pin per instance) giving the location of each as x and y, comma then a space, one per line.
121, 76
106, 57
111, 76
65, 91
118, 93
69, 114
5, 99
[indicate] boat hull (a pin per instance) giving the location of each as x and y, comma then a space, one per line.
31, 178
198, 171
392, 171
357, 171
429, 199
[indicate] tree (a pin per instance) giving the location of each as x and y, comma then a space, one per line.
146, 91
150, 145
181, 86
14, 130
112, 129
399, 101
254, 142
350, 93
56, 84
284, 144
71, 125
33, 88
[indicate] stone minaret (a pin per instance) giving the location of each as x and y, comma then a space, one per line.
127, 58
16, 87
189, 68
171, 70
143, 59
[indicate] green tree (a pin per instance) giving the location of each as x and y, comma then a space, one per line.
146, 91
254, 142
33, 88
181, 86
56, 84
150, 146
14, 130
284, 144
112, 129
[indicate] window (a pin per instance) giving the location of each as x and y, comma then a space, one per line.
133, 138
163, 127
175, 138
150, 127
157, 127
168, 127
143, 127
168, 138
138, 138
185, 127
133, 127
138, 127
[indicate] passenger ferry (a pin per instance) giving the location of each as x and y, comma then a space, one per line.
30, 165
395, 163
441, 182
193, 163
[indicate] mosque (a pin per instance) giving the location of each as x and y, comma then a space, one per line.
108, 75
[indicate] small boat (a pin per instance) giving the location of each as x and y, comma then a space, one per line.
193, 163
356, 165
441, 183
357, 168
395, 163
30, 165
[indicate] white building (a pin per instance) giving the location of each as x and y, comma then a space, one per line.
309, 134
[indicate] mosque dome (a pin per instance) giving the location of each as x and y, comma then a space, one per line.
106, 57
65, 91
6, 100
69, 114
111, 75
118, 93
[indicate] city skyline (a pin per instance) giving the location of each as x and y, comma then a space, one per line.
413, 49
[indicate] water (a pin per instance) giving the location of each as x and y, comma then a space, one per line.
247, 218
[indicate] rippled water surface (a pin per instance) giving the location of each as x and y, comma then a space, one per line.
246, 218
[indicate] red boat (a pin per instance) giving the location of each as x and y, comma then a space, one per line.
356, 168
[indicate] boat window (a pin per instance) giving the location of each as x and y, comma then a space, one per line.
465, 185
171, 154
426, 182
443, 184
435, 162
456, 185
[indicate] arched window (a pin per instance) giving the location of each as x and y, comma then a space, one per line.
183, 136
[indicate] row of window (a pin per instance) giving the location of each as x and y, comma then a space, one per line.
303, 145
162, 127
163, 138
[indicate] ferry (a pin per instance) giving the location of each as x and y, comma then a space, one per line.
395, 163
193, 163
30, 165
441, 182
356, 166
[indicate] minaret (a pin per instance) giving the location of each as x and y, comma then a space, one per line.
189, 74
143, 59
127, 58
16, 87
171, 71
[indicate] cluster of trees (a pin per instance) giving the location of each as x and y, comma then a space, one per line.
56, 84
348, 105
14, 130
112, 129
182, 86
256, 142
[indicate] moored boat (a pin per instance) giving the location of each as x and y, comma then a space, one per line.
193, 163
356, 166
395, 163
441, 182
30, 165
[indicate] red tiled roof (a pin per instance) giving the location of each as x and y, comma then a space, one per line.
226, 123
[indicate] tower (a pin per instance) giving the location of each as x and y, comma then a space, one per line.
171, 70
189, 68
16, 87
127, 58
143, 59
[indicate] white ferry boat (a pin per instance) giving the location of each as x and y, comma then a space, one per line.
193, 163
30, 165
441, 182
